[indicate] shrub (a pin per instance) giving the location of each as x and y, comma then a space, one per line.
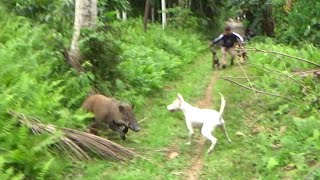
101, 48
155, 56
30, 85
289, 148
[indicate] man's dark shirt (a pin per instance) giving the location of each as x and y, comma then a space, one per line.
228, 40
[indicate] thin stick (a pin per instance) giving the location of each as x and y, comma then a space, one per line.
306, 73
256, 90
309, 71
245, 74
282, 54
143, 120
232, 77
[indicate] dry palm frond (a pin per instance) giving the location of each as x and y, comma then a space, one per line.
78, 143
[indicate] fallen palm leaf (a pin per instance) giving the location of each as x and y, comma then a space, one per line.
77, 142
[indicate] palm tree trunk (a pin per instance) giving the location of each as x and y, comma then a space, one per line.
164, 17
146, 15
268, 21
85, 16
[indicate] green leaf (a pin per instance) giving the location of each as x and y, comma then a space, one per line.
307, 31
272, 163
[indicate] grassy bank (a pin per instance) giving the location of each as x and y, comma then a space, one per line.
37, 82
161, 132
273, 138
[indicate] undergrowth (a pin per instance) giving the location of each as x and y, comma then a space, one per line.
151, 58
281, 138
273, 138
36, 81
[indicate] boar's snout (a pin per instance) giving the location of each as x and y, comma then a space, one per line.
129, 117
134, 127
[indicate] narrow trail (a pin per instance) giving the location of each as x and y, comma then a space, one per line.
193, 172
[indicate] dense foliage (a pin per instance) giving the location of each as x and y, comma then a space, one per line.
31, 85
35, 81
123, 61
289, 21
153, 57
300, 23
294, 124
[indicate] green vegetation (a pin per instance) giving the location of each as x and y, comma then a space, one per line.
290, 21
36, 81
162, 132
153, 57
273, 138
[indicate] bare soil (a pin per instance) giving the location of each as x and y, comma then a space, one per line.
193, 172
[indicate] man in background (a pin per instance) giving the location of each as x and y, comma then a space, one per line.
227, 40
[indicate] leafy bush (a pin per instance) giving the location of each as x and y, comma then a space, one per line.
30, 85
36, 81
101, 48
155, 56
301, 23
289, 148
182, 18
287, 66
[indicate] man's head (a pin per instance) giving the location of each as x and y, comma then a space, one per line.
227, 30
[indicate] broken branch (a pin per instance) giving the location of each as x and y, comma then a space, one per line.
281, 73
245, 74
256, 90
282, 54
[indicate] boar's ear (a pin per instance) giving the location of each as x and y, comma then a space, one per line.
132, 106
121, 108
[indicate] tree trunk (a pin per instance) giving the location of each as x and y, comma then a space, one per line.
164, 17
118, 14
146, 15
85, 16
124, 15
152, 14
201, 7
268, 21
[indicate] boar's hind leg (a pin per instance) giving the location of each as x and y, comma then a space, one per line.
118, 129
93, 127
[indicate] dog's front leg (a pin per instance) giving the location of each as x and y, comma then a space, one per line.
191, 132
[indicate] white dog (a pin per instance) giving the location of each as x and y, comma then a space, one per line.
205, 119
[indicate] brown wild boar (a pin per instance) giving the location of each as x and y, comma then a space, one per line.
117, 115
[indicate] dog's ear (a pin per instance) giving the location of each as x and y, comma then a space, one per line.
180, 97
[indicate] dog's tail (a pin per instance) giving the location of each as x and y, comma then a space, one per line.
223, 104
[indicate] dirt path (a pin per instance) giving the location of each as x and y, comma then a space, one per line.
193, 172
